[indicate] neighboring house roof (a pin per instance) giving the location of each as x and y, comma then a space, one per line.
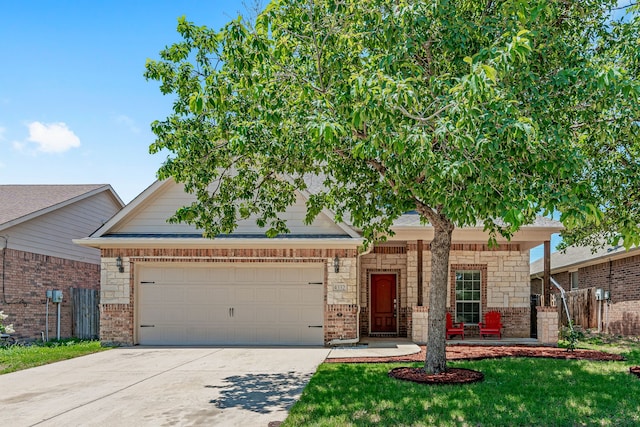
19, 203
581, 256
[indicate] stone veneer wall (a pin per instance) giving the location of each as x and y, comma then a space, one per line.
27, 277
118, 291
505, 284
420, 324
547, 325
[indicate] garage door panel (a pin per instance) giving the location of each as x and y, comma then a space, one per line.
173, 275
312, 275
269, 275
245, 275
244, 295
266, 314
197, 275
222, 275
289, 295
263, 305
267, 295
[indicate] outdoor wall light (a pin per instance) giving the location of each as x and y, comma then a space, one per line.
336, 264
119, 264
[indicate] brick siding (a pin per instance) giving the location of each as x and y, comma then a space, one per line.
621, 277
27, 277
118, 292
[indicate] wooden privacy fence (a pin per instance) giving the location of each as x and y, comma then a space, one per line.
85, 313
583, 308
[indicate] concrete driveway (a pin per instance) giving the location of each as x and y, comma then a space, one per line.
161, 387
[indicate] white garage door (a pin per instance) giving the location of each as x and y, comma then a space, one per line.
271, 304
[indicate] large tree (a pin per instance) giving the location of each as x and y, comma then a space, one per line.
465, 111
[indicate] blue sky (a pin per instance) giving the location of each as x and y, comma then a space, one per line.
74, 105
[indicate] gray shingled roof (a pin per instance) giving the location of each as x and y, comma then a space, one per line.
17, 201
575, 255
413, 220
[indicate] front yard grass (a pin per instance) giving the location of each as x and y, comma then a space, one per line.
17, 357
515, 391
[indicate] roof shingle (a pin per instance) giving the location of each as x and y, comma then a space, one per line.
17, 201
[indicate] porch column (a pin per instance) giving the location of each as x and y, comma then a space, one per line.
420, 283
546, 282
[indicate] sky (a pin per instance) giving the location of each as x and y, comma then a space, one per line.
74, 105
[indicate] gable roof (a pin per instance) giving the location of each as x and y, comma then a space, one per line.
19, 203
581, 256
143, 223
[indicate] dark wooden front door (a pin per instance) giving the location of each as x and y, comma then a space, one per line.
383, 303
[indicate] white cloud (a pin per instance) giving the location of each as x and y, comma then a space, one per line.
128, 122
52, 137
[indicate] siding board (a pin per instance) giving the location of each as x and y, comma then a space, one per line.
151, 217
52, 233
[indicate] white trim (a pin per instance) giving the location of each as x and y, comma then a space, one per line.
130, 207
231, 243
346, 228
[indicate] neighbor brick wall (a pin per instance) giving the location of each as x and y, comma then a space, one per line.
118, 292
624, 318
622, 278
27, 278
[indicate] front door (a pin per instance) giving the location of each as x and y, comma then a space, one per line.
383, 303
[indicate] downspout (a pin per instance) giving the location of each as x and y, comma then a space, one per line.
4, 267
356, 340
564, 301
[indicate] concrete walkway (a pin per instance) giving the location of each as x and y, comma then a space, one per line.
372, 347
145, 386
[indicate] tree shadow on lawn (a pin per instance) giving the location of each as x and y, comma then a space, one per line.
261, 393
520, 391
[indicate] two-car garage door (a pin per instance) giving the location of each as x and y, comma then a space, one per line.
230, 304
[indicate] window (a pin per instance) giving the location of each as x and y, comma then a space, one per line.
574, 280
468, 296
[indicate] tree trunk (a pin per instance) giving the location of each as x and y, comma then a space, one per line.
436, 360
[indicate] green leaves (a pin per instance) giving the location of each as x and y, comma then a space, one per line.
479, 112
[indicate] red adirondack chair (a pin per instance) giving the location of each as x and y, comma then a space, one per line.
491, 325
454, 329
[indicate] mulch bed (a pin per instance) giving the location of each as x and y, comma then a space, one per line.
474, 352
477, 352
450, 376
635, 370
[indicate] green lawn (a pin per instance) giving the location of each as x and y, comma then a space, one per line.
517, 391
17, 357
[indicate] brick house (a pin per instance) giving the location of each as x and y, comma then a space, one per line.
37, 225
612, 269
163, 283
